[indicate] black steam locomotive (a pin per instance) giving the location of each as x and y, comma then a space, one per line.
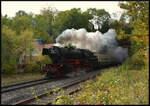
68, 59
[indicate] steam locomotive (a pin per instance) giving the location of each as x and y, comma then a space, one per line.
68, 59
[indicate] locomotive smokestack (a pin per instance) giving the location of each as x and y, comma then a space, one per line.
94, 41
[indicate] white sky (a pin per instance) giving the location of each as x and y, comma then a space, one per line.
11, 7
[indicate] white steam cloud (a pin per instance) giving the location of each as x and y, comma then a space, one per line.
94, 41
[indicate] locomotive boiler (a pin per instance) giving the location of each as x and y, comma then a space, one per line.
68, 59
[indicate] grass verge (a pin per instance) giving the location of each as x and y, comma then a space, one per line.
121, 85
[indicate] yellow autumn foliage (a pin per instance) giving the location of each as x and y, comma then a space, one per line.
122, 35
139, 12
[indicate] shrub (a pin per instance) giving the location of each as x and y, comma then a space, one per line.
44, 59
9, 68
137, 61
32, 67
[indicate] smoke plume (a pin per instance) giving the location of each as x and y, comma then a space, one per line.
94, 41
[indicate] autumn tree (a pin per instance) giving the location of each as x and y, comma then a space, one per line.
9, 50
138, 11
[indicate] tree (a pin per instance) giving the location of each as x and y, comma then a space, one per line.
69, 19
89, 26
101, 18
49, 15
9, 50
6, 21
43, 28
73, 18
138, 11
21, 23
21, 13
120, 25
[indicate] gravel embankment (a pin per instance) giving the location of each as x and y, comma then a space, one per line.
25, 93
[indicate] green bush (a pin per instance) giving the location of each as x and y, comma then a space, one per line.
135, 62
9, 68
32, 67
44, 59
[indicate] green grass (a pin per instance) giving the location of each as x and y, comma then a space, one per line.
117, 86
9, 79
121, 85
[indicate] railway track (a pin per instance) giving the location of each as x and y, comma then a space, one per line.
23, 96
17, 86
65, 87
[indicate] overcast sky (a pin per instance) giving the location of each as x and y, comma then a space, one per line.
11, 7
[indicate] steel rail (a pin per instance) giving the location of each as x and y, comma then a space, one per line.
51, 91
21, 83
71, 92
24, 85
